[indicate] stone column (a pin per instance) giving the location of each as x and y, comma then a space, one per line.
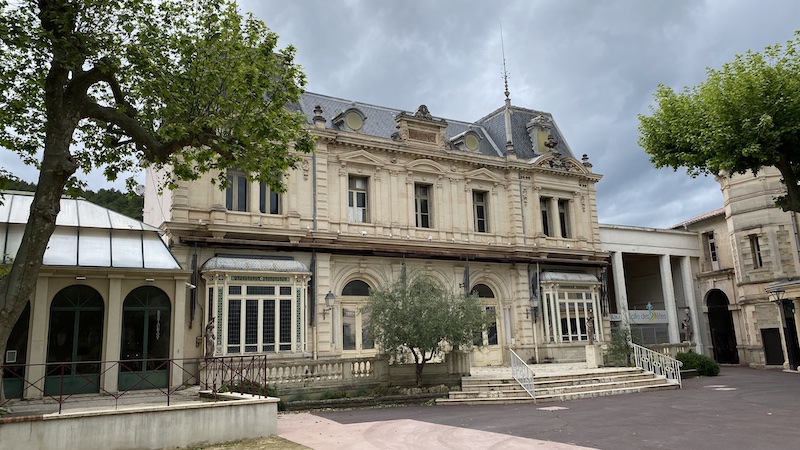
620, 289
179, 313
554, 219
38, 328
113, 335
668, 291
688, 293
536, 212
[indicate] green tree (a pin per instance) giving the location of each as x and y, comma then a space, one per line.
743, 117
416, 314
183, 87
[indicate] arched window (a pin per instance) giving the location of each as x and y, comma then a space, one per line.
483, 291
76, 334
356, 288
144, 349
355, 335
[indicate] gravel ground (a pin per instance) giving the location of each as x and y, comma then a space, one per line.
268, 443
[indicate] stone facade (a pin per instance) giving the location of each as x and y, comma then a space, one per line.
748, 246
385, 188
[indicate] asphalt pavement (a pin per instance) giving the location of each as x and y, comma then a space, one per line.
742, 408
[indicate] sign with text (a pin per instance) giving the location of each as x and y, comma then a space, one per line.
641, 317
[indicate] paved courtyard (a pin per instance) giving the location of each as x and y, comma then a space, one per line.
742, 408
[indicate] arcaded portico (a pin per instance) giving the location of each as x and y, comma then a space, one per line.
652, 283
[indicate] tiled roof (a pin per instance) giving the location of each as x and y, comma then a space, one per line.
700, 218
380, 122
254, 264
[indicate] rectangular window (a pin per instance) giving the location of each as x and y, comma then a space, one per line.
755, 249
711, 247
269, 201
286, 325
491, 330
544, 205
268, 327
234, 325
251, 326
422, 205
348, 329
236, 192
358, 200
563, 218
479, 211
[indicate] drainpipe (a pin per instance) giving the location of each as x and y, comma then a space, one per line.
522, 209
312, 304
796, 238
314, 187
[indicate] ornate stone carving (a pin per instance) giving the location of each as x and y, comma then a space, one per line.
423, 112
305, 166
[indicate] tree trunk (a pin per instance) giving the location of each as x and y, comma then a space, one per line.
419, 367
791, 201
57, 166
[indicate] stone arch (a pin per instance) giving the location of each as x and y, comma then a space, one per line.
75, 333
145, 343
721, 327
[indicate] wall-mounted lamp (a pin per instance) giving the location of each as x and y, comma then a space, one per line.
531, 312
80, 278
149, 280
190, 285
329, 299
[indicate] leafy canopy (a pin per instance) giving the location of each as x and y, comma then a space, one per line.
744, 117
416, 314
191, 86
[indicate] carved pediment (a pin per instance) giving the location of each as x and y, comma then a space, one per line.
483, 173
421, 128
362, 157
426, 165
558, 162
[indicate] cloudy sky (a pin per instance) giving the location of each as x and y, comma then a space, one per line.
593, 64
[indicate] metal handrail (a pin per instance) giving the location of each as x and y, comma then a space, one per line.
658, 363
523, 374
246, 374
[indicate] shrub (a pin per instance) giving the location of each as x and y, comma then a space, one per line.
619, 352
704, 365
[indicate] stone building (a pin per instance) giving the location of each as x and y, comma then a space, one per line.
749, 247
499, 206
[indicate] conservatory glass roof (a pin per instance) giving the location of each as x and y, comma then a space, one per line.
86, 235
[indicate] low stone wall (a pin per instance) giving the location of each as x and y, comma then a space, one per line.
151, 427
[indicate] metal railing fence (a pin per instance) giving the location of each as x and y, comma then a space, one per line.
658, 363
523, 374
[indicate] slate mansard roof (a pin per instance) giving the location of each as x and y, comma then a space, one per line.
380, 122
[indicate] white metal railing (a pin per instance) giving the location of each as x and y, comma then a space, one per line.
658, 363
522, 373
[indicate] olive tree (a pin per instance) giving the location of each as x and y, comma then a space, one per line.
417, 314
123, 85
745, 116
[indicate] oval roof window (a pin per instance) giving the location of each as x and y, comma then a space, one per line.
471, 142
353, 120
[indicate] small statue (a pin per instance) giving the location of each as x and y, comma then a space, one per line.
423, 112
210, 338
590, 327
686, 325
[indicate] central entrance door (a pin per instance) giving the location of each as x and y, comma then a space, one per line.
720, 324
488, 351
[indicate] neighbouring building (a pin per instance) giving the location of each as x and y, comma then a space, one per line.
749, 247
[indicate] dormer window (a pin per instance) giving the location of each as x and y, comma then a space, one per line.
351, 119
468, 140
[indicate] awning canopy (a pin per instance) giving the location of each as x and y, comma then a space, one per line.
255, 264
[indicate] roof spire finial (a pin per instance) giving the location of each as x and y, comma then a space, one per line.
510, 153
505, 72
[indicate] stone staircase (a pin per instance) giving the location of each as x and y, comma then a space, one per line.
501, 388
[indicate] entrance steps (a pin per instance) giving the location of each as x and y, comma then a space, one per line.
483, 388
